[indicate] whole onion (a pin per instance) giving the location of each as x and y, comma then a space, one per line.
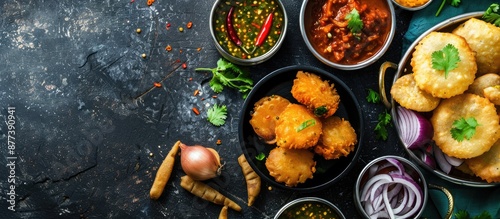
199, 162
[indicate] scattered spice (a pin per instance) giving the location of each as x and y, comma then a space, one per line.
181, 29
138, 30
184, 65
144, 55
196, 92
219, 142
168, 26
190, 79
189, 25
214, 96
150, 2
198, 49
157, 84
151, 154
196, 111
168, 48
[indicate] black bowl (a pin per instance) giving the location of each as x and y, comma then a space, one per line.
280, 83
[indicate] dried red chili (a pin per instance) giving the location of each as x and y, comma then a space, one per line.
265, 30
231, 32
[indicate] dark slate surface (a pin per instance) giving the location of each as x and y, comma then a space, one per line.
86, 147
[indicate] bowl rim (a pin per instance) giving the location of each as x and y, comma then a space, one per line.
339, 83
356, 193
255, 60
412, 8
359, 65
401, 71
309, 199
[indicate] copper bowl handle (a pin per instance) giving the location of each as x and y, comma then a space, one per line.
381, 82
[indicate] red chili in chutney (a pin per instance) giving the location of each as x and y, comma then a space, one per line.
331, 37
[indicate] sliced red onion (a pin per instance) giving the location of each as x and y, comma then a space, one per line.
441, 161
453, 160
414, 129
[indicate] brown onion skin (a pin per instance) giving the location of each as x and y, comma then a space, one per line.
199, 162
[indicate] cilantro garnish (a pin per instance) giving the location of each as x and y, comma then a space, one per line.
229, 75
384, 120
454, 3
463, 214
464, 128
320, 111
373, 96
491, 14
355, 23
260, 156
217, 115
445, 59
306, 124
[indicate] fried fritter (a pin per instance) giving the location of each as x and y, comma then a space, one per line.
482, 82
483, 38
319, 96
406, 92
493, 94
338, 138
297, 128
291, 166
433, 81
265, 114
465, 106
487, 166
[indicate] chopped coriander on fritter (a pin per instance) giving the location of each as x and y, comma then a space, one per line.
446, 59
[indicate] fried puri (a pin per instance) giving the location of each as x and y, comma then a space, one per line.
291, 166
433, 81
338, 138
319, 96
265, 114
465, 106
487, 166
493, 94
406, 92
482, 82
483, 38
297, 128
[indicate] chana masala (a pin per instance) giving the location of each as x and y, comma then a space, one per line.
333, 39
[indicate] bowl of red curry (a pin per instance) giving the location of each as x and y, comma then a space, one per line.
347, 35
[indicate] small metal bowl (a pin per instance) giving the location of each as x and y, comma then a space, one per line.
309, 10
306, 200
217, 34
411, 8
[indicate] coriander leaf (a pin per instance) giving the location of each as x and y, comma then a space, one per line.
260, 156
462, 214
306, 124
217, 115
384, 120
454, 3
464, 128
483, 215
355, 23
445, 59
373, 96
491, 14
227, 74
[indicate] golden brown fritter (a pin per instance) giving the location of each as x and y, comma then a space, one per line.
319, 96
297, 128
465, 106
265, 114
338, 138
291, 166
406, 92
483, 38
433, 81
487, 166
492, 94
482, 82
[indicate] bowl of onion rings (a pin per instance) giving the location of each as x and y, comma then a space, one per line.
428, 115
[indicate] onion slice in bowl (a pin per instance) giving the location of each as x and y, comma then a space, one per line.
414, 129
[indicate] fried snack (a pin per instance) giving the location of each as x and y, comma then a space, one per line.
483, 38
493, 94
482, 82
406, 92
291, 166
434, 81
338, 138
487, 166
319, 96
465, 106
264, 116
297, 128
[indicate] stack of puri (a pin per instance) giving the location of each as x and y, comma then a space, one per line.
301, 129
471, 89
